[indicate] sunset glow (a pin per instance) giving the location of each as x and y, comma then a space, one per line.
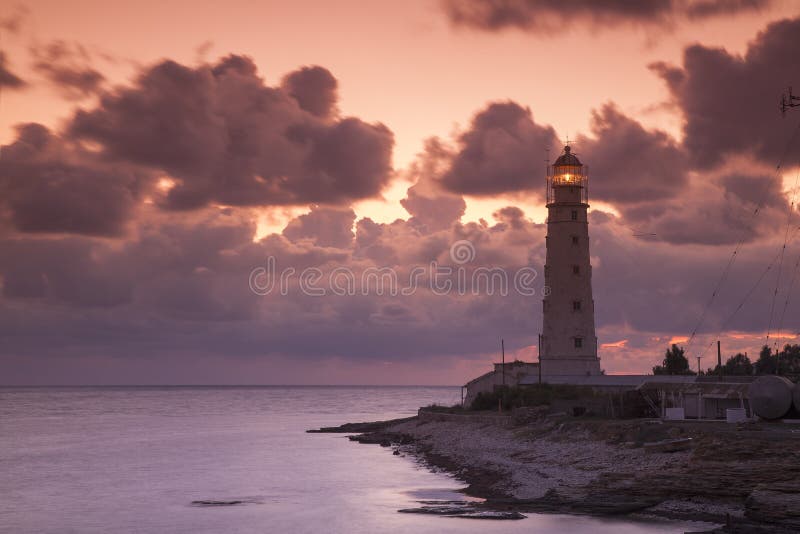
155, 154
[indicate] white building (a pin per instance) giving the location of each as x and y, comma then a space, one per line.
568, 344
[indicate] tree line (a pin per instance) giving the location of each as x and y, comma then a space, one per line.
784, 362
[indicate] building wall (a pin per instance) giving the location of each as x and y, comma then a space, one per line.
708, 400
514, 372
568, 275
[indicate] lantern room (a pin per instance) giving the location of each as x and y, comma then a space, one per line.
567, 180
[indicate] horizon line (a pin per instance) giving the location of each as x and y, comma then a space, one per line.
228, 385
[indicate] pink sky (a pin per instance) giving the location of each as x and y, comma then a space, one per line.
411, 68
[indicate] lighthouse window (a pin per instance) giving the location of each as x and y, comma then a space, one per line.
574, 215
578, 342
576, 269
574, 240
576, 305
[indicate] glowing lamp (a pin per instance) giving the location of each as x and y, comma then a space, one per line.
567, 179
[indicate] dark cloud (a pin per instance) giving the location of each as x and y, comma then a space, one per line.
646, 174
180, 285
502, 151
700, 9
325, 227
7, 78
730, 102
13, 22
629, 163
68, 68
511, 216
757, 189
721, 209
706, 214
314, 88
151, 271
48, 186
550, 16
78, 272
431, 207
226, 137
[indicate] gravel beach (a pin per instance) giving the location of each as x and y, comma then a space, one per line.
740, 476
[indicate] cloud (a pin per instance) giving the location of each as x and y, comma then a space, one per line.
50, 186
100, 250
7, 78
501, 152
76, 272
212, 134
551, 16
629, 163
13, 22
730, 102
714, 211
226, 137
68, 68
325, 227
646, 174
180, 285
315, 90
432, 207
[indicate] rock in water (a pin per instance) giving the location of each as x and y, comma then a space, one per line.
770, 396
461, 509
463, 512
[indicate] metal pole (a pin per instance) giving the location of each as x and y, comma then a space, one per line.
503, 349
719, 357
540, 359
698, 365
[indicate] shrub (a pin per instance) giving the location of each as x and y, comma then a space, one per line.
522, 396
444, 409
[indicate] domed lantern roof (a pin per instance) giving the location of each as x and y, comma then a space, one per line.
567, 158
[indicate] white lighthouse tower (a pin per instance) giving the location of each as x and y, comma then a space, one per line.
568, 344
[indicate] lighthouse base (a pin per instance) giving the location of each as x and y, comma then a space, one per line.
570, 366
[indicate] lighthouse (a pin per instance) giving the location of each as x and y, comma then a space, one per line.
568, 344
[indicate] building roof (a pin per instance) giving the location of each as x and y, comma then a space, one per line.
567, 158
484, 375
609, 380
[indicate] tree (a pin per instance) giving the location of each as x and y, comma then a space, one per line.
767, 363
737, 365
675, 363
788, 361
785, 362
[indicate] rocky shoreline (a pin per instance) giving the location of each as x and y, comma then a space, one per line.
744, 477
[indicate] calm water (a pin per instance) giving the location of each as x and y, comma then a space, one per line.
133, 459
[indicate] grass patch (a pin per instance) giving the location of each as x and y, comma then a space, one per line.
528, 396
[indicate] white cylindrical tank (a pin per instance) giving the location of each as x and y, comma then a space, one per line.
796, 396
770, 396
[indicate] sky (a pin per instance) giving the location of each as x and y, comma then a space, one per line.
161, 163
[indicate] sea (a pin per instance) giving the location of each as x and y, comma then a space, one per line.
133, 459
